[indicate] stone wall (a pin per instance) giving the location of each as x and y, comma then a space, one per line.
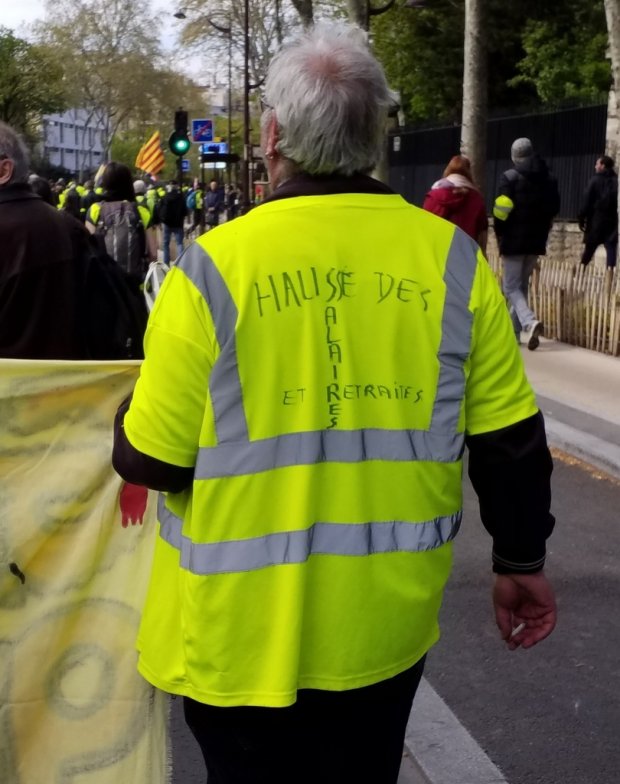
565, 244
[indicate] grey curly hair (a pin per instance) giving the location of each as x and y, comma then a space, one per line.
331, 99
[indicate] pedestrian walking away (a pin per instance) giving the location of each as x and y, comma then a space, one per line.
171, 212
120, 224
41, 250
58, 297
456, 198
526, 203
306, 396
598, 214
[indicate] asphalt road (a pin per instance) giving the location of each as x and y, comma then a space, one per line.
549, 715
545, 716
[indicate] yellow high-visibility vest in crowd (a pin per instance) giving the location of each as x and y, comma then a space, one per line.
318, 361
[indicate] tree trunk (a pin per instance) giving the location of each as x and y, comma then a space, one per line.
357, 11
612, 13
474, 130
305, 10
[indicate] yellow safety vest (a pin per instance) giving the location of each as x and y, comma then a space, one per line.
318, 362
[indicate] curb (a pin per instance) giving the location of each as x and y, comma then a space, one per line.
441, 748
592, 449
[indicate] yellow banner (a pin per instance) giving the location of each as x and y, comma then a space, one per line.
75, 553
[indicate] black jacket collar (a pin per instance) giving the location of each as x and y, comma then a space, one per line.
17, 192
326, 185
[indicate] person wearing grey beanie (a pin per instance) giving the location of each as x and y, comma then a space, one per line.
527, 201
521, 150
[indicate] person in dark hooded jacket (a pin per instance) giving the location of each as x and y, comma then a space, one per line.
598, 216
527, 201
456, 198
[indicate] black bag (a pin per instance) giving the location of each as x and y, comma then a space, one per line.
114, 313
121, 234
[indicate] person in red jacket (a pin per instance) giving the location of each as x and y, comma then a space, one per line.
456, 198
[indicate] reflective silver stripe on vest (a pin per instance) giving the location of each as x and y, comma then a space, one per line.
290, 547
224, 382
236, 455
327, 446
456, 325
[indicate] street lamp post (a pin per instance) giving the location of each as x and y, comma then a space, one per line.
247, 152
247, 147
227, 31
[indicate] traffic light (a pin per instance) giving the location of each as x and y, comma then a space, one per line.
179, 142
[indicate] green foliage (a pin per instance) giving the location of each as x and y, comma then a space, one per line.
126, 146
422, 52
538, 53
30, 83
565, 57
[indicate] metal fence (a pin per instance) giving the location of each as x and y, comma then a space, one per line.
578, 305
569, 140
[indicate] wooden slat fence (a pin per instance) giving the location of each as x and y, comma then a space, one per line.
578, 305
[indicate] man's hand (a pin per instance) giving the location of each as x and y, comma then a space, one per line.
524, 599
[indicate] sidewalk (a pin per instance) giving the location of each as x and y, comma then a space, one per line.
578, 392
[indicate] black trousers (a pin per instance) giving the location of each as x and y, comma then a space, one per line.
611, 248
346, 737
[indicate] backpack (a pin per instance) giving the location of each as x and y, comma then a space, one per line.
113, 314
121, 235
191, 200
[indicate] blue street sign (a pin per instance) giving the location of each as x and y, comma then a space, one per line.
184, 165
216, 147
202, 130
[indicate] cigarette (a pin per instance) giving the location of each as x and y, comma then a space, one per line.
516, 630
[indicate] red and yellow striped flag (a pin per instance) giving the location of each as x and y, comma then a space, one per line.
151, 156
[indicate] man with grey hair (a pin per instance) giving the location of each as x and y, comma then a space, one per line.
527, 201
41, 250
313, 371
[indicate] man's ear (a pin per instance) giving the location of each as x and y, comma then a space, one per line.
272, 136
6, 171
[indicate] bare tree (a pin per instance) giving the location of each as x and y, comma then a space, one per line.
110, 57
305, 10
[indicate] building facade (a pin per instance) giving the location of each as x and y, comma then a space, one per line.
73, 140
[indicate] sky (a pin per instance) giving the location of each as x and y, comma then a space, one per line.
16, 14
19, 15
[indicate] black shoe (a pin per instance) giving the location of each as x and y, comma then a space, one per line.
535, 331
